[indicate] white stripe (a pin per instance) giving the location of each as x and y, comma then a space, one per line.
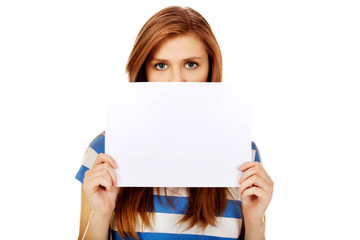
176, 192
168, 223
253, 152
89, 157
181, 192
235, 193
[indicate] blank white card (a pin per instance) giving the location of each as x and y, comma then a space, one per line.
178, 134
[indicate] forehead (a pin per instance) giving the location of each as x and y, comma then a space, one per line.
181, 46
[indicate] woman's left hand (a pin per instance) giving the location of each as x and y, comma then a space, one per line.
256, 188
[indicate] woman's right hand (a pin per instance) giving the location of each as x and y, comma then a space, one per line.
100, 185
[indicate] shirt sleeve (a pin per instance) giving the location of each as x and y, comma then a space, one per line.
255, 153
96, 147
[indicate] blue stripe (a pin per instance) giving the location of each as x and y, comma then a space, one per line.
165, 236
98, 144
232, 210
80, 174
253, 146
257, 155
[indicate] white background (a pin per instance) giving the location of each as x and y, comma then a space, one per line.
302, 59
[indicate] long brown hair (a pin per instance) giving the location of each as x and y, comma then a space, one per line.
169, 22
204, 204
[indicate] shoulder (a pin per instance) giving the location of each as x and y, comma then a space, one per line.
98, 144
255, 153
96, 147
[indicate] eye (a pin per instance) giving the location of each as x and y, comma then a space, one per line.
161, 66
191, 65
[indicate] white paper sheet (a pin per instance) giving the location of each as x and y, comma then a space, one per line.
178, 134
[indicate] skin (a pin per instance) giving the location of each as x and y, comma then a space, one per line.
98, 198
256, 189
177, 59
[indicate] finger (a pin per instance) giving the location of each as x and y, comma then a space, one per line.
101, 180
105, 182
252, 172
255, 168
112, 174
252, 181
253, 191
247, 165
92, 184
103, 170
102, 158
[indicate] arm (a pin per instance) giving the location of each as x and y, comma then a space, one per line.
92, 226
256, 188
84, 214
253, 232
98, 198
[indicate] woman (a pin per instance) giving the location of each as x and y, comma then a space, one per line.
176, 44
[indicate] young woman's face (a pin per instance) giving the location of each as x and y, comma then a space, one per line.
178, 59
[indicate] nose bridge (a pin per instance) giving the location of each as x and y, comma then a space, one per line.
178, 75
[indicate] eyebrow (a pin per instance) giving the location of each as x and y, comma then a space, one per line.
186, 59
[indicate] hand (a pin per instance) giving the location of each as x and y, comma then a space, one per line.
100, 185
256, 188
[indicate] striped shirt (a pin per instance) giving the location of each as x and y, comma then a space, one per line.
166, 218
